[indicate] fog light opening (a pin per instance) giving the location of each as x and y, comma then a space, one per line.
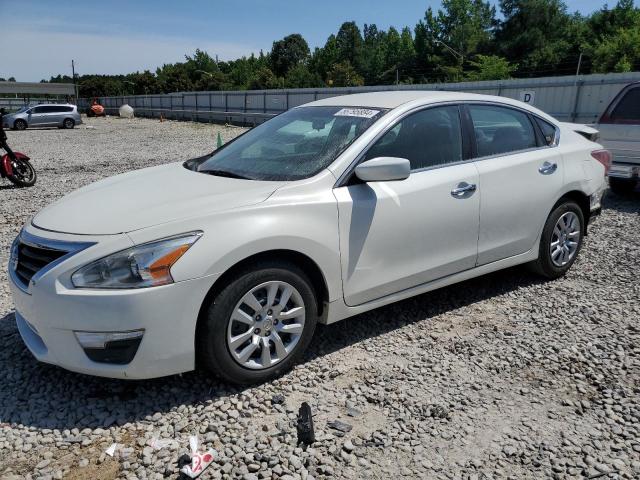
118, 348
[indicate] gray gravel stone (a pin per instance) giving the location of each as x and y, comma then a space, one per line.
505, 376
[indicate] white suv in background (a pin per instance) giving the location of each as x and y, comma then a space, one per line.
619, 129
326, 211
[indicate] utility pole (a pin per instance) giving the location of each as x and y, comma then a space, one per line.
397, 77
75, 85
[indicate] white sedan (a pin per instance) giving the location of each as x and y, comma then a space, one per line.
331, 209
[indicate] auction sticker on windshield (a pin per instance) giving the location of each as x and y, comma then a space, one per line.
357, 112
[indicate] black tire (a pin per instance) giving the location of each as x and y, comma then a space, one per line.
68, 123
621, 186
212, 348
20, 124
545, 265
24, 175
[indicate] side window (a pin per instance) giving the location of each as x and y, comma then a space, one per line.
628, 108
501, 130
427, 138
38, 110
549, 132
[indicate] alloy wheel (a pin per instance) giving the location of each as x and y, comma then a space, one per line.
565, 239
266, 325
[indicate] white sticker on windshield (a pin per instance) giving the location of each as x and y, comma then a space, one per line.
357, 112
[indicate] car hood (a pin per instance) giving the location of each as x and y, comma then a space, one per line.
148, 197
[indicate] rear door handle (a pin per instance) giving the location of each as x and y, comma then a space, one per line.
463, 189
548, 168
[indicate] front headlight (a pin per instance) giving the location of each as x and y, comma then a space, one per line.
146, 265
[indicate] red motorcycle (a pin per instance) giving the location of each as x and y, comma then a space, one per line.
15, 165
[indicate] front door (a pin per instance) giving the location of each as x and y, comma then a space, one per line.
400, 234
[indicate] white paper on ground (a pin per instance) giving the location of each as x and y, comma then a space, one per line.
111, 450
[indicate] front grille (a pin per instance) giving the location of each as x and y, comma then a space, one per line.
32, 258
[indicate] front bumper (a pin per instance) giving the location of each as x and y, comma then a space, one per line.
51, 312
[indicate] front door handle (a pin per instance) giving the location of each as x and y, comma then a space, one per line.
463, 189
548, 168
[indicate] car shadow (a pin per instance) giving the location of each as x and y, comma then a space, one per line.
38, 395
622, 203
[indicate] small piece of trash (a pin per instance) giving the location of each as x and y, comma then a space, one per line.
89, 127
160, 443
340, 426
277, 399
111, 451
199, 461
306, 434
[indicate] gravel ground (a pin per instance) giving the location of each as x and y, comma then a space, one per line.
504, 376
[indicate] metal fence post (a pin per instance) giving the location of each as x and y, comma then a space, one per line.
226, 106
574, 112
182, 107
209, 116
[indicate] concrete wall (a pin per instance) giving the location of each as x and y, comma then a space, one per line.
580, 99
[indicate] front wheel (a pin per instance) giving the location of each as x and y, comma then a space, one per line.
258, 326
20, 124
24, 175
561, 240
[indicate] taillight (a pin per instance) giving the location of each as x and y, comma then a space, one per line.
604, 157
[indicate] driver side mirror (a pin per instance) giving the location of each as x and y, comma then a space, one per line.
384, 169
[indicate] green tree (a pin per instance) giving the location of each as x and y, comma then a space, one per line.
344, 75
534, 33
614, 40
264, 79
289, 52
301, 77
490, 67
349, 44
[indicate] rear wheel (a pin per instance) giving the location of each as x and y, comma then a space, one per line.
258, 326
20, 124
68, 123
24, 175
561, 240
622, 186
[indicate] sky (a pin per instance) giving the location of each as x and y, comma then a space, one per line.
40, 37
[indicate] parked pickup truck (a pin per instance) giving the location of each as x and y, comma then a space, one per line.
619, 128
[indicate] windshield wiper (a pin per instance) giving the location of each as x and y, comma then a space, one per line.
225, 173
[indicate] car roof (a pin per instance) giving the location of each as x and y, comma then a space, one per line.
395, 98
52, 105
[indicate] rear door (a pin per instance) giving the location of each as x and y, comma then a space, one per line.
520, 175
55, 115
620, 126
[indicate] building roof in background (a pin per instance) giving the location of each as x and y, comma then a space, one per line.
37, 88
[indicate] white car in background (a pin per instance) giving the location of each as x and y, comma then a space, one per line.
331, 209
619, 128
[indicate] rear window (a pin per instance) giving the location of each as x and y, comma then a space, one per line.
501, 130
628, 108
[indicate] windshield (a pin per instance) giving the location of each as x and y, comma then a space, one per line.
22, 109
294, 145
